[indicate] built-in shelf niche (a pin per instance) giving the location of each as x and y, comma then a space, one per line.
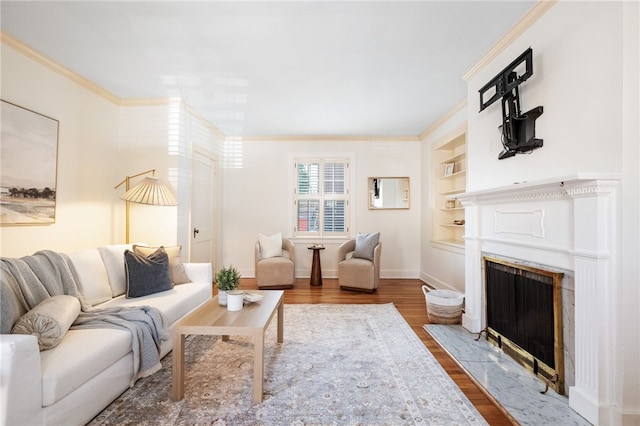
449, 178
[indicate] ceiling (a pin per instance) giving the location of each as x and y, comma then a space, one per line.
296, 68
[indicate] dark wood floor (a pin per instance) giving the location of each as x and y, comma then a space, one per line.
408, 298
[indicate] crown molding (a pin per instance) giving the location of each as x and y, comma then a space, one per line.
142, 102
204, 121
29, 52
328, 138
529, 19
520, 27
426, 132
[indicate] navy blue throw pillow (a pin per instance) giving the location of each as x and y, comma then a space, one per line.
147, 274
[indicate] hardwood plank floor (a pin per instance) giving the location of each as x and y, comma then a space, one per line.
407, 296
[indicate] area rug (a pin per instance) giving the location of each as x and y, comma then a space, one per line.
338, 365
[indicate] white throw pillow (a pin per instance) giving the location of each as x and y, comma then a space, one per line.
93, 276
270, 246
113, 258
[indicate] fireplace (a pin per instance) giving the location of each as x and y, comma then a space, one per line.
524, 317
567, 224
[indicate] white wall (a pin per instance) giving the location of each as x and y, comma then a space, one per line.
99, 143
577, 60
163, 137
143, 145
442, 266
88, 134
628, 350
258, 199
586, 77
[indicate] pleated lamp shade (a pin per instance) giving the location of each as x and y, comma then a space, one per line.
152, 191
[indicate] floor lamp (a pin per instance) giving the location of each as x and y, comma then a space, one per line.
150, 190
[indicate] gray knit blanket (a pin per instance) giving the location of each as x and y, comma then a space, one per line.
47, 273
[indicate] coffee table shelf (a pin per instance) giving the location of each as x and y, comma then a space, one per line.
213, 319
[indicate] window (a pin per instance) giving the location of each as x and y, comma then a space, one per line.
321, 197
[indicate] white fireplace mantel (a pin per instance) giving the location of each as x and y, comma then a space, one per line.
569, 223
550, 187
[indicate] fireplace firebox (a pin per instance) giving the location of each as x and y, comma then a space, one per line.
524, 317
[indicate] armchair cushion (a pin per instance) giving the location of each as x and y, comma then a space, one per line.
270, 246
356, 273
365, 245
275, 271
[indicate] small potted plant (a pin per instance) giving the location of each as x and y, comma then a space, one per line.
227, 279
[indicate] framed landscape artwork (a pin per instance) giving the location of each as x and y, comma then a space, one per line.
28, 166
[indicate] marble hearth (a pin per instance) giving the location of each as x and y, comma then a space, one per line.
568, 224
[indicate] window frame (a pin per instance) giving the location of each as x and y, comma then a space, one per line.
321, 197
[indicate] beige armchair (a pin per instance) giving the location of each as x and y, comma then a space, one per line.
275, 272
355, 273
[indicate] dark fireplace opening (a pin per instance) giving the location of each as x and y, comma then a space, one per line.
524, 317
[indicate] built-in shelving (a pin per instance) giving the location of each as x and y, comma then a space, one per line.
449, 178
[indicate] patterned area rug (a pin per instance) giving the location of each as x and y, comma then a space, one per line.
338, 365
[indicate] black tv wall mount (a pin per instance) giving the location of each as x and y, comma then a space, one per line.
518, 130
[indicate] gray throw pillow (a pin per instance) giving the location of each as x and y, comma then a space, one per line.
365, 245
50, 320
176, 267
147, 274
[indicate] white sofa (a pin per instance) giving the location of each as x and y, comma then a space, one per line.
73, 382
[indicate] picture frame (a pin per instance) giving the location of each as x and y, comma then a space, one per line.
448, 169
28, 166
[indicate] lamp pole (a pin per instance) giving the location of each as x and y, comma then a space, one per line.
127, 182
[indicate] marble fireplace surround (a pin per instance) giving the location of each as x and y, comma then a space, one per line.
568, 223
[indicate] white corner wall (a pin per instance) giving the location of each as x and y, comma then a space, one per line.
627, 380
441, 266
145, 142
88, 133
99, 143
586, 73
577, 61
258, 199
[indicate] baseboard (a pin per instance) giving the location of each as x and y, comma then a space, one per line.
630, 417
584, 404
333, 274
436, 283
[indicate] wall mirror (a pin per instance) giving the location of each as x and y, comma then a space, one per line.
388, 193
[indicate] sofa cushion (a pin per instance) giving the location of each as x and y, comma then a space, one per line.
93, 276
113, 258
173, 303
80, 356
50, 320
365, 245
270, 246
147, 274
176, 267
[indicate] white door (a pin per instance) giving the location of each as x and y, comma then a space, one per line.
203, 197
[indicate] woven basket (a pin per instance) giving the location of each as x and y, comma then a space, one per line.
443, 306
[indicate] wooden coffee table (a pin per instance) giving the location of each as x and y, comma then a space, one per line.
213, 319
